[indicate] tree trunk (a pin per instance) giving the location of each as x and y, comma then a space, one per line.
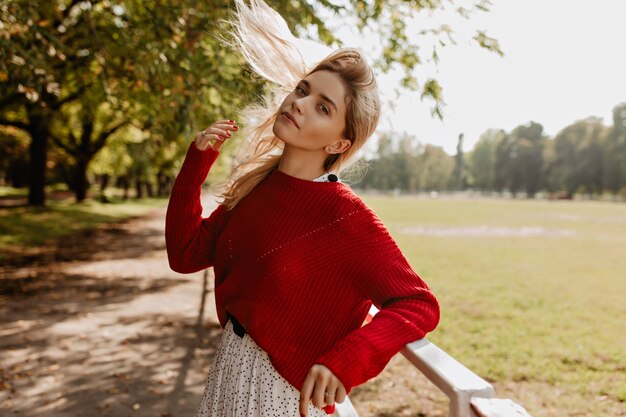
160, 183
164, 185
80, 179
38, 150
149, 189
126, 187
104, 182
139, 188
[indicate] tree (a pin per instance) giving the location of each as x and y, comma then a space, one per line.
519, 159
614, 152
85, 138
482, 159
409, 166
161, 66
436, 169
528, 142
504, 155
576, 160
13, 159
406, 164
590, 156
459, 176
40, 74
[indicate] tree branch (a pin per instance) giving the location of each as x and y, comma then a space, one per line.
14, 123
70, 135
8, 99
57, 141
102, 137
71, 97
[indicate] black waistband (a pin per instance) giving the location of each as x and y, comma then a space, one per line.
237, 327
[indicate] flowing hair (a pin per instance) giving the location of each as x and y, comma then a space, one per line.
269, 47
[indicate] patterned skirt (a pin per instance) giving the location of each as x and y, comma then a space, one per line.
242, 382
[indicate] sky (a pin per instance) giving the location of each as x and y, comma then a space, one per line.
564, 60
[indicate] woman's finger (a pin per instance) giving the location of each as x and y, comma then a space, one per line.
340, 396
215, 134
224, 122
218, 131
331, 391
204, 139
318, 392
224, 126
305, 394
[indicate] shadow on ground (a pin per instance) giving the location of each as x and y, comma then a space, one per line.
98, 324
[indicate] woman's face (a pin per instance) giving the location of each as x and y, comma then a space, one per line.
318, 113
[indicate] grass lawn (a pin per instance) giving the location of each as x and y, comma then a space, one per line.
28, 226
13, 192
532, 293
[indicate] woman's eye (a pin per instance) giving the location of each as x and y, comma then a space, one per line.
302, 91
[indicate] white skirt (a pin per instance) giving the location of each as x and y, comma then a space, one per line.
243, 382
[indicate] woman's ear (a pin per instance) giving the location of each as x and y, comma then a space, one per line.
339, 146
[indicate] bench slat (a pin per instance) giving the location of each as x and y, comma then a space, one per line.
497, 407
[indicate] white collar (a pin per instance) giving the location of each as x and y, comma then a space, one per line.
327, 176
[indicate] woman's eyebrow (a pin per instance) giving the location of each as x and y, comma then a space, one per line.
308, 85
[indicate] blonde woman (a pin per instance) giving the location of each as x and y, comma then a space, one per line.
298, 257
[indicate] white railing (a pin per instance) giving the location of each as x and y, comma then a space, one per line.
469, 394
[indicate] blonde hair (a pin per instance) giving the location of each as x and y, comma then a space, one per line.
262, 36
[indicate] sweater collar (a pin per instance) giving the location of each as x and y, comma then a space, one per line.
283, 179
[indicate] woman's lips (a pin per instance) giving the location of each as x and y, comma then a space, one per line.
289, 119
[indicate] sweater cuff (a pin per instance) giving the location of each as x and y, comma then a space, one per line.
347, 371
196, 165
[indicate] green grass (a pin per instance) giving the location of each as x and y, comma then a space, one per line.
549, 309
6, 191
27, 226
13, 192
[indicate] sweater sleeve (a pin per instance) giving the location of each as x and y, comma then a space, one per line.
190, 239
408, 309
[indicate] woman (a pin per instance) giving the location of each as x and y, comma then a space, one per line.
298, 257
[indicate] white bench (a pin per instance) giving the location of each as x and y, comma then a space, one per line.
469, 394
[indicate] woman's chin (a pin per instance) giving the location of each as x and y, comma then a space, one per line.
277, 133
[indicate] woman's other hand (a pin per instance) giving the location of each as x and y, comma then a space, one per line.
215, 135
321, 380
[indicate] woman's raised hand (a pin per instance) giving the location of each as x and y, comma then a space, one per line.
215, 135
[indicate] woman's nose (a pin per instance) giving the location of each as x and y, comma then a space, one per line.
298, 105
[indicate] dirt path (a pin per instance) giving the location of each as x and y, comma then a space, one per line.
100, 326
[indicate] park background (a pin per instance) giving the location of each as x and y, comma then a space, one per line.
519, 229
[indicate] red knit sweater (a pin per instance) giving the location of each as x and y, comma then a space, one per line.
299, 263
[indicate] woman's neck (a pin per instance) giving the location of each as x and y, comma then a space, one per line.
301, 163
